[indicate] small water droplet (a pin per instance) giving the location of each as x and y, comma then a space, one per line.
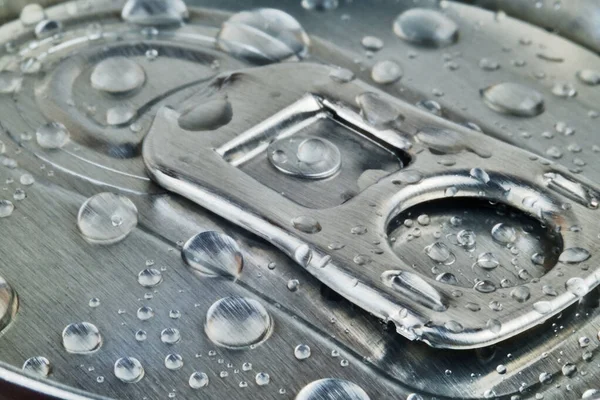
173, 361
386, 72
302, 352
150, 277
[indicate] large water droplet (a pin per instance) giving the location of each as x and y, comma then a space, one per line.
52, 135
207, 116
154, 12
81, 338
128, 370
39, 366
212, 254
504, 233
589, 76
198, 380
377, 111
520, 294
6, 208
480, 175
513, 99
107, 218
263, 36
332, 389
577, 286
173, 362
117, 75
426, 27
237, 323
574, 255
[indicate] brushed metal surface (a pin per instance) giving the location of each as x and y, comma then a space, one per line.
56, 272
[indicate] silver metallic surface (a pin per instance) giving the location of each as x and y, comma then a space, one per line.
56, 272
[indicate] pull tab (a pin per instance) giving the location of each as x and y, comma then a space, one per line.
339, 176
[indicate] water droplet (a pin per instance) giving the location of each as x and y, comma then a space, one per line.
386, 72
504, 233
120, 115
81, 338
487, 261
426, 27
577, 286
339, 75
488, 64
447, 277
494, 325
376, 110
480, 175
514, 99
466, 238
6, 208
141, 335
332, 389
485, 286
589, 76
128, 370
173, 361
438, 252
430, 106
237, 322
97, 215
302, 352
117, 75
521, 294
144, 313
262, 379
564, 89
263, 36
320, 5
31, 14
293, 285
305, 157
47, 28
207, 116
52, 135
94, 302
574, 255
372, 43
198, 380
569, 369
39, 366
212, 253
543, 307
454, 326
170, 336
306, 224
150, 277
154, 12
414, 287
